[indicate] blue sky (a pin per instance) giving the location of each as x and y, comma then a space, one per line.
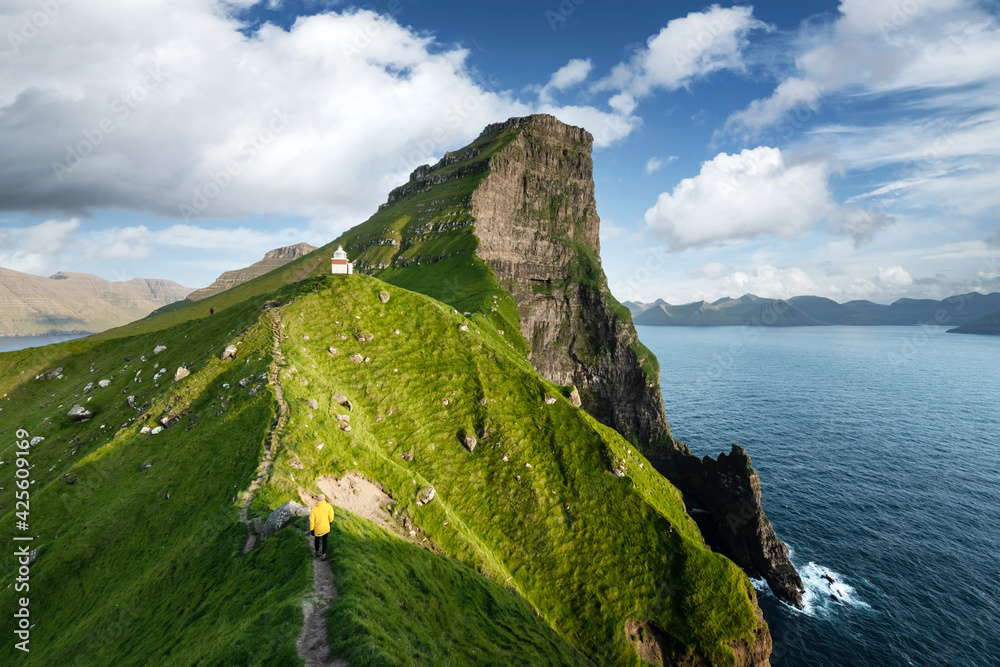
850, 150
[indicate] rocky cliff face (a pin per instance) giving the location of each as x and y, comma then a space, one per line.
538, 229
272, 260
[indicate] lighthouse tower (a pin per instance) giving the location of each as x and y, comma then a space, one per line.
339, 263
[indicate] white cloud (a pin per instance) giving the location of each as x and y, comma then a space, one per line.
752, 193
685, 49
571, 74
893, 277
63, 245
769, 282
170, 105
710, 270
653, 164
993, 239
886, 47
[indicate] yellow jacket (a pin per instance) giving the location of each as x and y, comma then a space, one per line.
320, 518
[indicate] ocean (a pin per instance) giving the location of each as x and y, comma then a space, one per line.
878, 450
22, 342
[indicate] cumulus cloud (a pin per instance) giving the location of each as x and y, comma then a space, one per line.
685, 49
769, 282
892, 278
172, 108
755, 192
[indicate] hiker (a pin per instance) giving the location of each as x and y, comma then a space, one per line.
211, 311
320, 519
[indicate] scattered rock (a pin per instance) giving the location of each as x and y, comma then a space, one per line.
89, 388
37, 439
169, 420
383, 296
574, 397
305, 336
229, 352
145, 429
463, 328
78, 413
396, 331
103, 383
131, 402
156, 430
159, 348
245, 382
69, 479
181, 373
295, 462
51, 374
281, 516
146, 465
407, 456
426, 495
468, 440
312, 404
268, 305
467, 314
331, 350
550, 400
340, 399
143, 358
357, 358
445, 402
345, 427
343, 418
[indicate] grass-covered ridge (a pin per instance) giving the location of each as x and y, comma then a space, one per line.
552, 528
587, 548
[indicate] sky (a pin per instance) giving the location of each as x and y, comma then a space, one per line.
848, 150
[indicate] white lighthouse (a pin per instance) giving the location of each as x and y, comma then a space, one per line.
339, 263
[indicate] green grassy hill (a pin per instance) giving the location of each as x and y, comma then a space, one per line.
532, 548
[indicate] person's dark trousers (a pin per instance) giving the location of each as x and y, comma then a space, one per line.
317, 539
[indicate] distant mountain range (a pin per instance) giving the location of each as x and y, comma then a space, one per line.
272, 260
799, 311
77, 302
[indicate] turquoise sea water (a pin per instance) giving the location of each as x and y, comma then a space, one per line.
878, 450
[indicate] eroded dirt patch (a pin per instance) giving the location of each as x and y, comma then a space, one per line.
357, 495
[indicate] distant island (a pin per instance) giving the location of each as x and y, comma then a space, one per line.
972, 312
988, 325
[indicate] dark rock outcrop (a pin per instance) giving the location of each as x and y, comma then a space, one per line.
281, 516
723, 496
